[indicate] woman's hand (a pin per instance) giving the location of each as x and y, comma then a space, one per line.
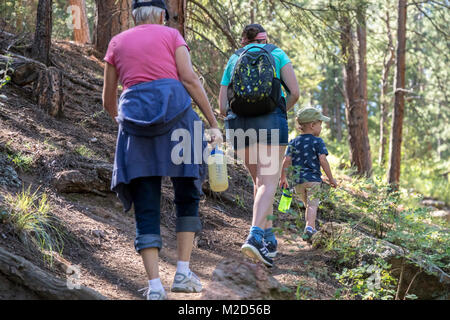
215, 136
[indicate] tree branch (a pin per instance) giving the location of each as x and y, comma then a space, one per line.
227, 34
207, 40
431, 20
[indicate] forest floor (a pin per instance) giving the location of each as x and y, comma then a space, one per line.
100, 235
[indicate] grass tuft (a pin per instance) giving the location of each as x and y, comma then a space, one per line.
29, 214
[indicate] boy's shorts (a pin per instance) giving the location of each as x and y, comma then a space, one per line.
308, 193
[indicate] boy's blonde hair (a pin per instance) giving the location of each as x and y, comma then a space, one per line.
301, 126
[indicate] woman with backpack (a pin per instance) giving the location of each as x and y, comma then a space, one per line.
153, 64
255, 107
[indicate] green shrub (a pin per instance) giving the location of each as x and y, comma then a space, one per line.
367, 282
21, 161
86, 152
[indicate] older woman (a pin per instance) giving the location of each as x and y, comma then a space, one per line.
153, 64
260, 139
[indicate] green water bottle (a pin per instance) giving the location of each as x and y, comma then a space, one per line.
285, 201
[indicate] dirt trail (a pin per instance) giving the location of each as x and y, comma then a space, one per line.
100, 235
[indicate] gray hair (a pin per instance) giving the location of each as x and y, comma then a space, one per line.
150, 14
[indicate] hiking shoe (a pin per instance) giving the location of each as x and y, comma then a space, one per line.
257, 250
307, 235
272, 249
186, 283
153, 294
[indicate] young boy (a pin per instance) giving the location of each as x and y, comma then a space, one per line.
307, 153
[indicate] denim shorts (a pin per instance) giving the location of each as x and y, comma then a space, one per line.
271, 129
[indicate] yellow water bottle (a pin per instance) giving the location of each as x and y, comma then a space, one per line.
285, 201
217, 170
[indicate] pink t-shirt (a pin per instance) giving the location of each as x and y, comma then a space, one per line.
145, 53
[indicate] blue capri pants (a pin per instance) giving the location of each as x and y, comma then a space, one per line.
146, 195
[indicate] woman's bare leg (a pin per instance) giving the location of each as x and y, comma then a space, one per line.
268, 175
150, 258
185, 242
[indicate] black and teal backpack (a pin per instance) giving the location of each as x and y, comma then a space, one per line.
254, 89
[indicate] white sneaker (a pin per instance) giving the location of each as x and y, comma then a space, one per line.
154, 294
186, 283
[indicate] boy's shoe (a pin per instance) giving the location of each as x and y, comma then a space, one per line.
257, 250
188, 283
272, 249
307, 235
153, 294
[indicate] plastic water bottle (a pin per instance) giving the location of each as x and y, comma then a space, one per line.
285, 201
217, 170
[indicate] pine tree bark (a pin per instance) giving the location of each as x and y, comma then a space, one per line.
81, 32
355, 93
42, 38
111, 18
177, 13
338, 116
399, 100
388, 61
20, 16
48, 91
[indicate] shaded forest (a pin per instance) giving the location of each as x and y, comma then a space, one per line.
378, 69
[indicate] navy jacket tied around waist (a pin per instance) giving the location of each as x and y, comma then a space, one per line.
151, 108
148, 115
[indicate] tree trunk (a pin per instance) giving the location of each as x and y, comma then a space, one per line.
110, 19
388, 61
177, 13
365, 156
338, 117
43, 35
355, 93
48, 91
80, 22
20, 16
252, 9
399, 100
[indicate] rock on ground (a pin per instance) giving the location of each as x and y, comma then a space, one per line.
441, 214
8, 176
95, 179
243, 280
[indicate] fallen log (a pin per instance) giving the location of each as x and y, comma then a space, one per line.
41, 283
47, 82
22, 70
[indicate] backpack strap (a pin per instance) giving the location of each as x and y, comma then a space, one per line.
270, 47
239, 51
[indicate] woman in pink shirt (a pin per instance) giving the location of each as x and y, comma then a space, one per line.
153, 64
